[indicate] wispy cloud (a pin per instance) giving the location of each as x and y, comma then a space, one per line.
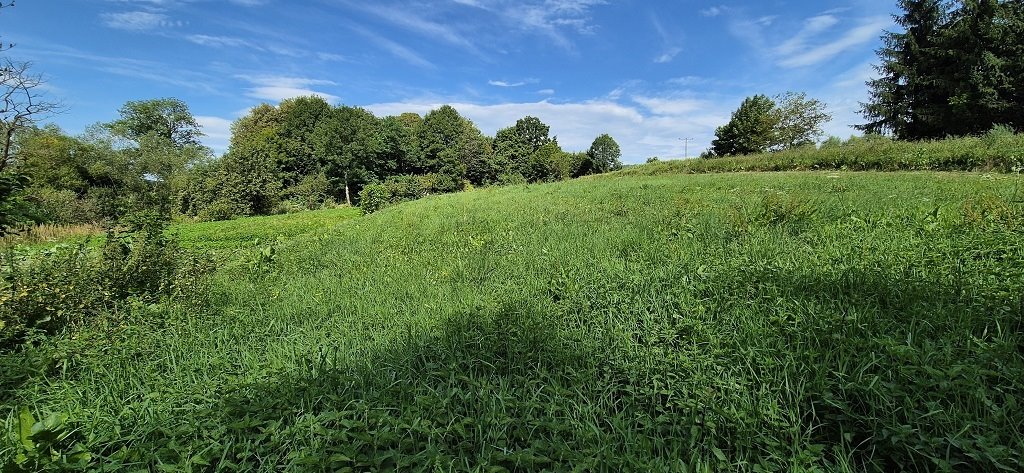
218, 41
505, 83
138, 20
276, 88
153, 71
668, 56
407, 19
501, 83
670, 46
812, 27
819, 38
869, 30
714, 11
393, 47
671, 106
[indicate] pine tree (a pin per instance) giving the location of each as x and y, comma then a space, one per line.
955, 70
901, 102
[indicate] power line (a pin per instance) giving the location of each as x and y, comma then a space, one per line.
686, 147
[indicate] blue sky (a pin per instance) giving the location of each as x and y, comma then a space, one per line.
646, 72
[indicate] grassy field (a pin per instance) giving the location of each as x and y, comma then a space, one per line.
801, 321
252, 231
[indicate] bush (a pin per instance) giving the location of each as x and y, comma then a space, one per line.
62, 206
311, 193
374, 197
399, 189
47, 292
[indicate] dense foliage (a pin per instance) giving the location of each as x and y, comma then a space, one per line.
957, 68
762, 124
299, 155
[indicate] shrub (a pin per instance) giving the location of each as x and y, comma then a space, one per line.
398, 189
374, 197
47, 292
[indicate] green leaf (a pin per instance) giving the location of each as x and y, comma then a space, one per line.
25, 423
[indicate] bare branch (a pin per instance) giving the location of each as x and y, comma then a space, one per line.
22, 104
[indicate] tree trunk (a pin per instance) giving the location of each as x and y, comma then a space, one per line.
348, 199
8, 137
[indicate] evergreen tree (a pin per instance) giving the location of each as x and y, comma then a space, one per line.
954, 70
901, 99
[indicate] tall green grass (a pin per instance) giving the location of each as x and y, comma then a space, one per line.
751, 322
999, 150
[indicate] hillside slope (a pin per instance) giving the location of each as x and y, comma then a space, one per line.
790, 321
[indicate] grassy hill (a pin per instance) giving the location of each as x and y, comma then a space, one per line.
790, 321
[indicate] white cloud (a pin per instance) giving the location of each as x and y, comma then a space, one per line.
137, 20
218, 41
409, 20
280, 88
671, 106
546, 91
501, 83
393, 47
330, 57
812, 27
217, 131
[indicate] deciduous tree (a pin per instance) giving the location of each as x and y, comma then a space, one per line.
750, 130
604, 155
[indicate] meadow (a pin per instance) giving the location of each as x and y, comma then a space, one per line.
646, 320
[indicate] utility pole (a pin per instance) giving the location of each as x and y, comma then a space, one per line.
686, 147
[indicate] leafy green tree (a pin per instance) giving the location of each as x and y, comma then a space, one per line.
533, 132
160, 140
511, 151
12, 206
514, 146
604, 155
751, 129
400, 144
450, 144
294, 137
440, 135
348, 142
544, 164
798, 120
167, 118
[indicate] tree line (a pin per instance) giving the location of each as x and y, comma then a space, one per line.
300, 154
956, 69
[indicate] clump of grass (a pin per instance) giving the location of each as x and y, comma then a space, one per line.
49, 233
